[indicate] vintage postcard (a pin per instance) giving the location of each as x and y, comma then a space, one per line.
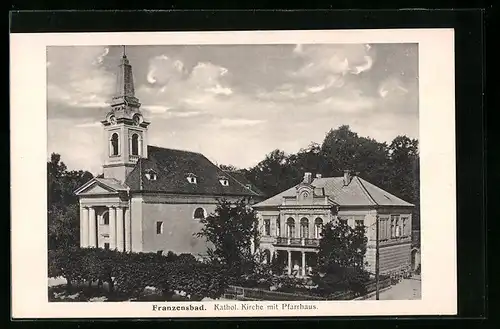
233, 174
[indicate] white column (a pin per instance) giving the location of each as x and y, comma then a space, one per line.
303, 263
289, 262
84, 223
112, 228
128, 231
92, 228
119, 229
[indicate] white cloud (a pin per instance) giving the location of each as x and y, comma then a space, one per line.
226, 122
162, 69
219, 90
184, 114
155, 108
392, 87
298, 49
89, 125
100, 58
364, 67
81, 81
348, 104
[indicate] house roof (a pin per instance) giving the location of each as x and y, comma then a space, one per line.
240, 177
172, 168
358, 192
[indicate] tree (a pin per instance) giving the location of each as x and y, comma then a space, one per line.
274, 174
344, 149
63, 225
229, 168
341, 258
233, 231
405, 172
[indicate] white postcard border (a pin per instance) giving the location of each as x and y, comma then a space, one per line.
29, 184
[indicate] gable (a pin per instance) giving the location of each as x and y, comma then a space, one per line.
96, 188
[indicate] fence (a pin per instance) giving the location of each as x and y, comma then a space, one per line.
255, 294
240, 293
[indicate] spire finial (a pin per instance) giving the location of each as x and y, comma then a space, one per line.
124, 54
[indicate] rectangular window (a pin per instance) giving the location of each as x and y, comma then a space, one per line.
359, 222
267, 227
404, 223
395, 226
159, 227
106, 245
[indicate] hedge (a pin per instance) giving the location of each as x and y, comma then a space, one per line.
128, 274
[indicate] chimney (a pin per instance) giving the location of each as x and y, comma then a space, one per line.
318, 175
307, 178
347, 177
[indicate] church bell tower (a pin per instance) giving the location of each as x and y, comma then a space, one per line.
125, 129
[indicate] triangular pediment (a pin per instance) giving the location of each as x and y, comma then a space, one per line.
95, 187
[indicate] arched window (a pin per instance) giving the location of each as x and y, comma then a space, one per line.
304, 228
105, 218
135, 144
114, 144
318, 227
290, 227
199, 213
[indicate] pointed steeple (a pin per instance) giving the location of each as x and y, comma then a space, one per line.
125, 92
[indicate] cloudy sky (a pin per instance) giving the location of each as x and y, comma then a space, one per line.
233, 103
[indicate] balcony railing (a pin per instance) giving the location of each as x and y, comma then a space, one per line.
312, 242
306, 242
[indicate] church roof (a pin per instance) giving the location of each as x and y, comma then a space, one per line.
358, 192
240, 177
172, 169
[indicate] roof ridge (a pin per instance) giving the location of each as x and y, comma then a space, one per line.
174, 149
389, 193
237, 181
363, 188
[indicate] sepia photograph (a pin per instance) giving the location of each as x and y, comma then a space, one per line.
256, 172
204, 177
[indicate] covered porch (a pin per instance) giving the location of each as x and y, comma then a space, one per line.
296, 262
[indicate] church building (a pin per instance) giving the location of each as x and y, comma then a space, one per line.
292, 221
150, 199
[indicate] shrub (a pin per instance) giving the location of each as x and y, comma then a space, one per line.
128, 274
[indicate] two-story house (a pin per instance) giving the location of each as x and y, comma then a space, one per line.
291, 222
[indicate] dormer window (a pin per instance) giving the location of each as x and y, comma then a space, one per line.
151, 175
224, 181
191, 178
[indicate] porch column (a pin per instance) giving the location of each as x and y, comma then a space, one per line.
128, 231
84, 227
92, 228
289, 262
119, 229
303, 263
112, 228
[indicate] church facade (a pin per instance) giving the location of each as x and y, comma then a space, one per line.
292, 221
150, 199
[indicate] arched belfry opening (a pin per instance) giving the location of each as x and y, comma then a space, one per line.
114, 144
